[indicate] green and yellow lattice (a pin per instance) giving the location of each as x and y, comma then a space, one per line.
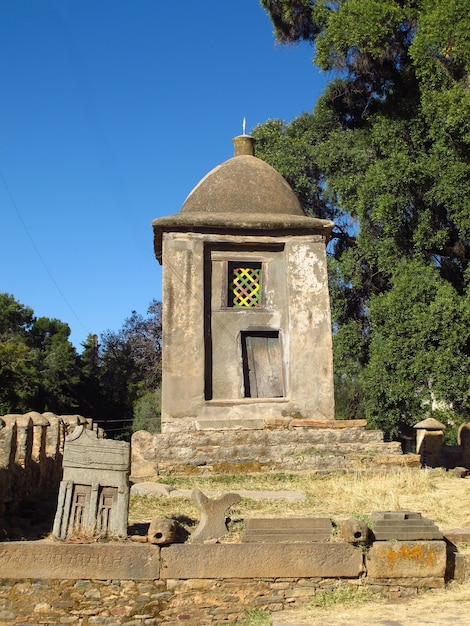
246, 286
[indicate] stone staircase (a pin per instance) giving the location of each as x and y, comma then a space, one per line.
320, 449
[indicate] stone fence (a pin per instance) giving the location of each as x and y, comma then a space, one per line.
143, 584
31, 451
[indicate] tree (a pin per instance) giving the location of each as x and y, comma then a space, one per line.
419, 359
57, 365
129, 366
92, 397
38, 365
147, 412
394, 159
115, 380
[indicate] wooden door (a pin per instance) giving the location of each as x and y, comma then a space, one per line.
262, 365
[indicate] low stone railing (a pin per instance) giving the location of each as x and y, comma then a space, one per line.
198, 584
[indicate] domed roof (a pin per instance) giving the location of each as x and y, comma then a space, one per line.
242, 194
243, 184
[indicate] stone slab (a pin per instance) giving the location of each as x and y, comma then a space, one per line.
229, 424
329, 423
406, 559
457, 535
397, 534
49, 560
160, 489
276, 530
417, 582
286, 524
404, 526
297, 560
151, 489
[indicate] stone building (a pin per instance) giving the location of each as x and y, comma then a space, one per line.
246, 314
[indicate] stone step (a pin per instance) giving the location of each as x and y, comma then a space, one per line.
278, 530
403, 526
298, 434
253, 450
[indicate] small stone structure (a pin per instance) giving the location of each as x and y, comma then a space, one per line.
246, 314
404, 526
429, 434
434, 453
94, 491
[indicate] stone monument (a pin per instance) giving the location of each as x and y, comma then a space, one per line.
94, 491
246, 314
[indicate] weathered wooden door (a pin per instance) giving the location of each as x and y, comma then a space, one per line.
262, 365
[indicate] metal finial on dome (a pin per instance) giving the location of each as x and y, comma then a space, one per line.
244, 126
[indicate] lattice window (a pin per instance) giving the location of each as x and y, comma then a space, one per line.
244, 284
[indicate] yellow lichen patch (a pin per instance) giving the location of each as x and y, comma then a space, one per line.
417, 552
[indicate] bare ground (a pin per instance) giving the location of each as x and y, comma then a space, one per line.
446, 607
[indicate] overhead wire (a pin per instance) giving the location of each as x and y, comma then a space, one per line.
38, 252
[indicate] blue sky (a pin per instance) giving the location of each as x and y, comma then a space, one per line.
111, 112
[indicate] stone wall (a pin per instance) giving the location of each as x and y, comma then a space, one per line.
130, 585
31, 450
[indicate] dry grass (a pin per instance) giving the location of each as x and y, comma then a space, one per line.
440, 607
434, 493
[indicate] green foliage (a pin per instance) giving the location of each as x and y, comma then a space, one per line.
147, 412
343, 595
39, 367
421, 325
348, 404
389, 139
112, 381
292, 150
126, 366
441, 55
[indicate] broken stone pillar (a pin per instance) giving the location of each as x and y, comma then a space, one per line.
354, 531
24, 441
429, 434
213, 515
55, 436
38, 451
162, 531
94, 492
464, 443
7, 457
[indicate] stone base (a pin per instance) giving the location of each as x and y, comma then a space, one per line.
242, 450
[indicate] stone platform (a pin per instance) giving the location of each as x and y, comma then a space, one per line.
330, 446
